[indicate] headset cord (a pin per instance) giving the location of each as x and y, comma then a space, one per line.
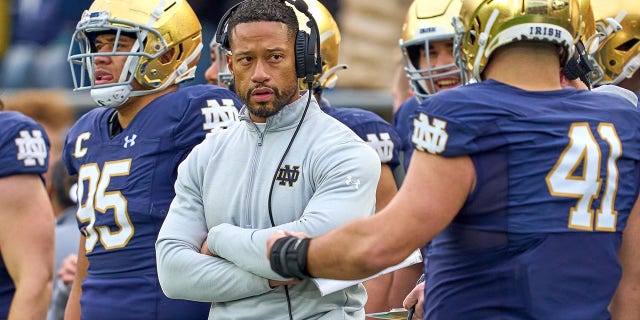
273, 181
286, 292
275, 175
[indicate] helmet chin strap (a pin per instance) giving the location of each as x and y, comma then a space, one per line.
112, 97
628, 70
458, 57
329, 73
613, 24
606, 29
483, 39
183, 72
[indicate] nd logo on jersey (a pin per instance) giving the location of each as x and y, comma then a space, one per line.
31, 148
383, 146
218, 117
288, 175
429, 137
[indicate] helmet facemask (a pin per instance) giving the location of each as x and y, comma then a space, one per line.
423, 80
224, 74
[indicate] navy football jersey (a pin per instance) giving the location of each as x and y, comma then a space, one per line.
557, 173
403, 125
371, 128
125, 187
24, 149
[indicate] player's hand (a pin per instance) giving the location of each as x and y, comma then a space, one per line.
205, 249
281, 234
67, 270
415, 298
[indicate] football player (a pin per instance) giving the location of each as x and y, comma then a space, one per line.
132, 57
211, 74
218, 72
513, 179
26, 219
427, 51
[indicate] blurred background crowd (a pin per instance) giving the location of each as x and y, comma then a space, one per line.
35, 37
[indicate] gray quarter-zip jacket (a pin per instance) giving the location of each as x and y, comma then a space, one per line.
328, 178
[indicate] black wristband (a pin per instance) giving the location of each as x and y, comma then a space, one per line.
274, 255
288, 257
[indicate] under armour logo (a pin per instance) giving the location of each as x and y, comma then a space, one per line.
350, 181
31, 148
429, 137
130, 142
218, 117
383, 146
288, 175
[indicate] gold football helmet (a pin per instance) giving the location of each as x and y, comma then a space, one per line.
329, 45
427, 22
159, 26
485, 25
618, 53
588, 35
587, 21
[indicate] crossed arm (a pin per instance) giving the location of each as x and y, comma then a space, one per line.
366, 246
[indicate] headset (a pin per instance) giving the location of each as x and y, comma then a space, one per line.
579, 65
307, 47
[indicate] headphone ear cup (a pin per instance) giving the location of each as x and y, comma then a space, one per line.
224, 42
222, 36
302, 44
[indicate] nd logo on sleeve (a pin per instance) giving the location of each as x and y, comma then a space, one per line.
31, 148
383, 145
429, 136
